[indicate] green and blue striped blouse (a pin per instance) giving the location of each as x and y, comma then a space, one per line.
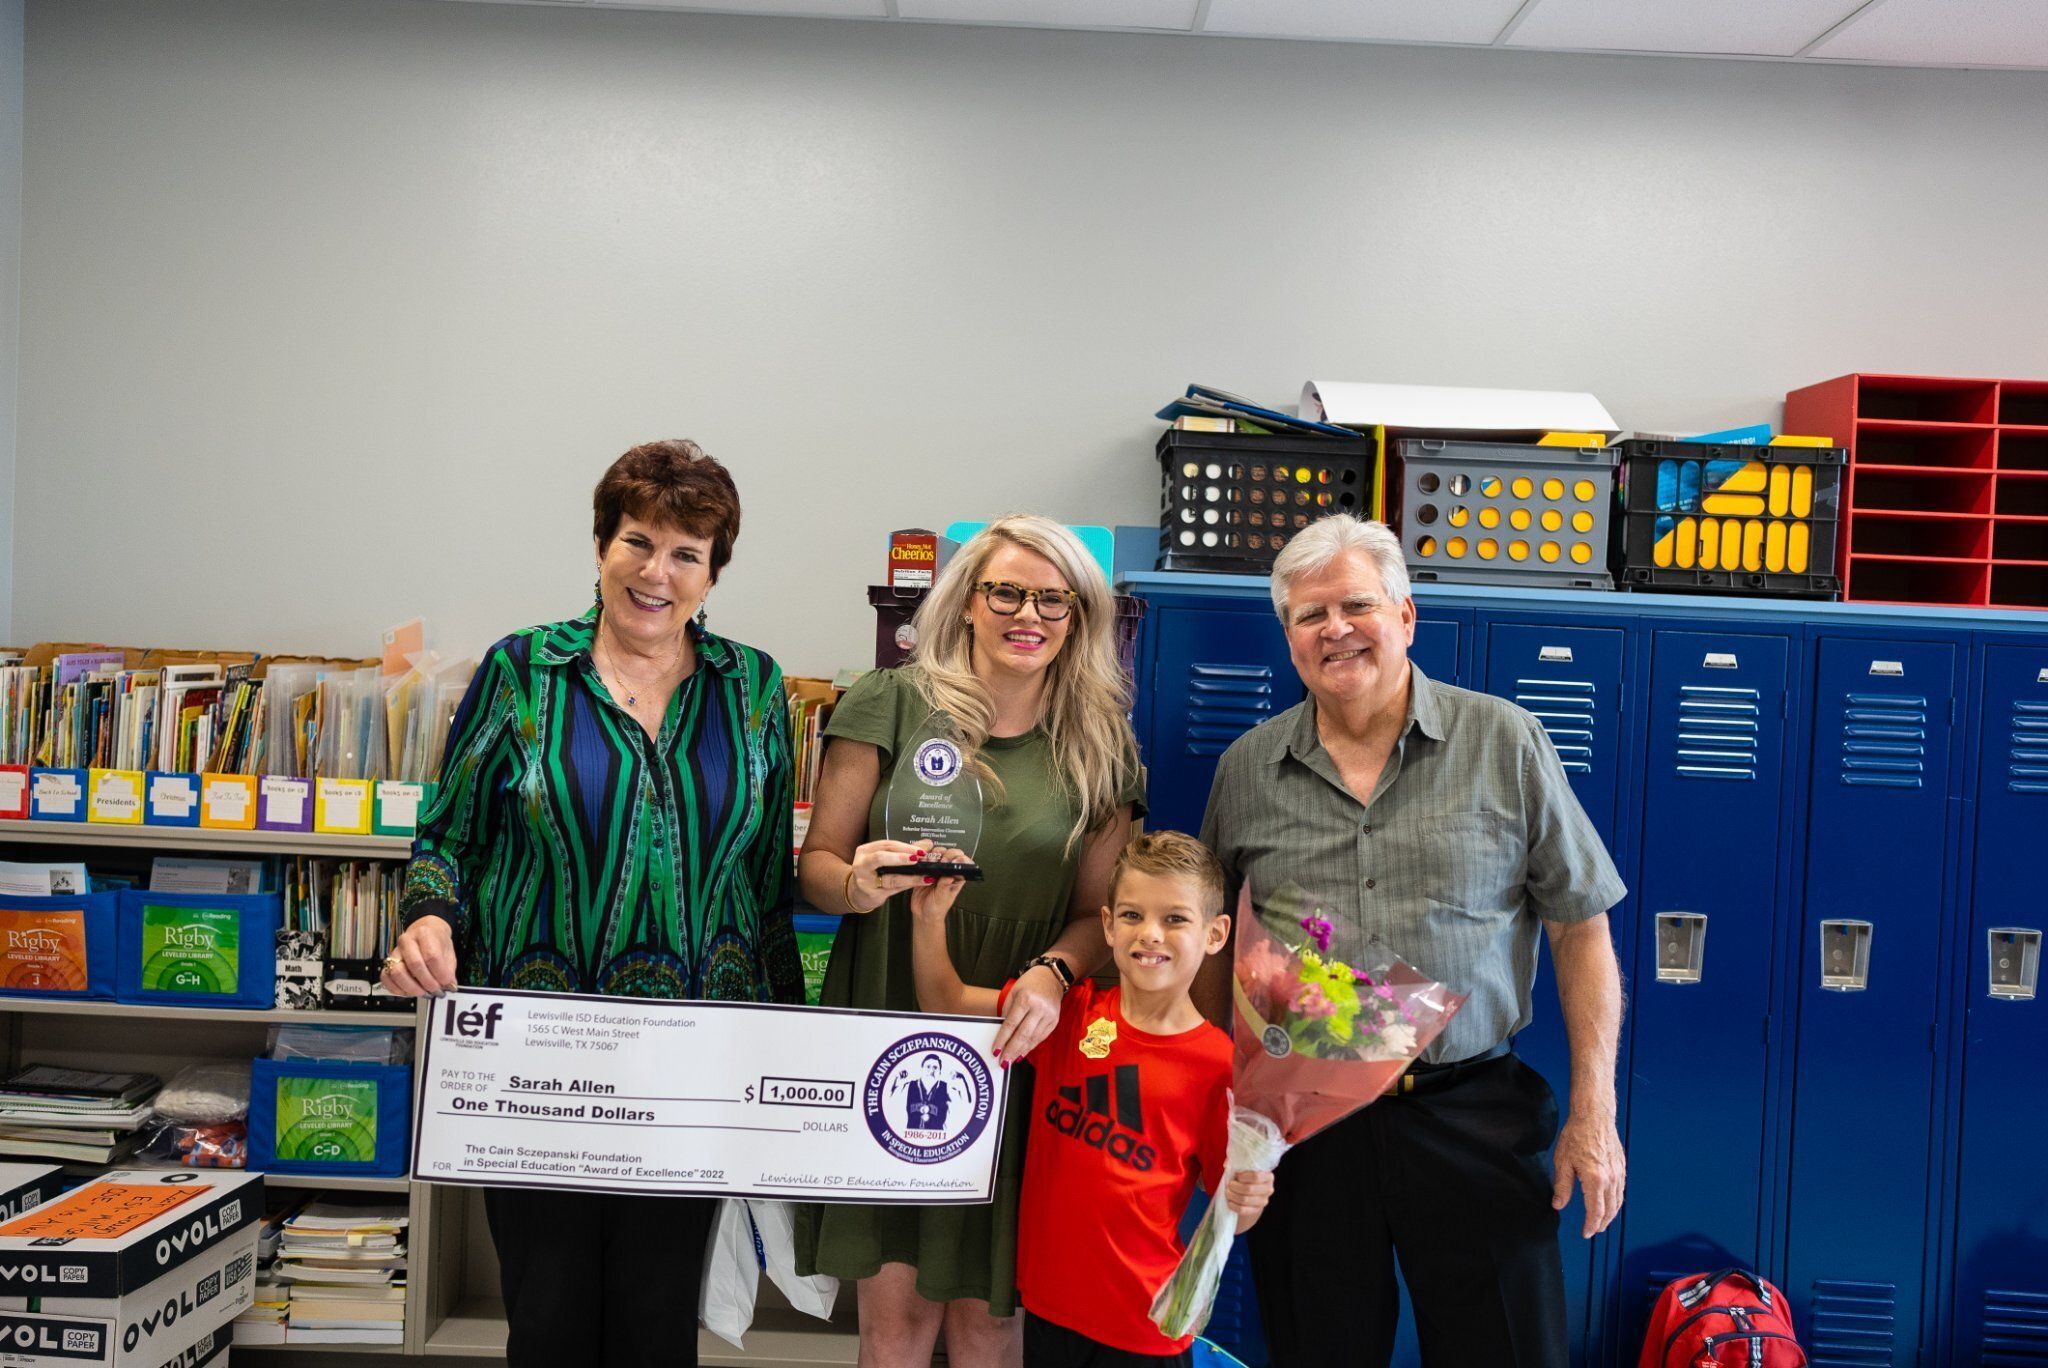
572, 854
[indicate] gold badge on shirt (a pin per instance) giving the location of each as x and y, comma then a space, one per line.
1101, 1035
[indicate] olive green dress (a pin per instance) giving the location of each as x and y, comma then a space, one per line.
1015, 913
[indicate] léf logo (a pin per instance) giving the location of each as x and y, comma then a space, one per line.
468, 1021
38, 940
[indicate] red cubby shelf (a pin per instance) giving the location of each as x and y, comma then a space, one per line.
1945, 497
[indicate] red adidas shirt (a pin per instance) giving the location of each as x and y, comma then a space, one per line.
1122, 1124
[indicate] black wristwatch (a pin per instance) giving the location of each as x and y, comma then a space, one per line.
1058, 967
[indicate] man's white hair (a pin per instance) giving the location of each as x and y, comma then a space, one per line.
1327, 538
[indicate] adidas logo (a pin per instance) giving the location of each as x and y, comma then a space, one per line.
1088, 1118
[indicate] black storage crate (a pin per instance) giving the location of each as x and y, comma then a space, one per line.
1714, 519
1229, 501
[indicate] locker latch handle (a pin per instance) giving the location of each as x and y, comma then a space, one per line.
2015, 962
1681, 946
1845, 956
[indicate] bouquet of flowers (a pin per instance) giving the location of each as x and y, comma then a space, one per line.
1316, 1040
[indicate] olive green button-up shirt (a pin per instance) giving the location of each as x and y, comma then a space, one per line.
1470, 840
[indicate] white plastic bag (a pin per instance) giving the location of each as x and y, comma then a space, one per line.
1182, 1306
732, 1273
774, 1227
746, 1238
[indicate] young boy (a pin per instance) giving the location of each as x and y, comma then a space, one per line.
1128, 1108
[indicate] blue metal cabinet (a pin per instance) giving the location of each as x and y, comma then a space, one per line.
1440, 646
1869, 955
1217, 672
1707, 898
1570, 679
2001, 1199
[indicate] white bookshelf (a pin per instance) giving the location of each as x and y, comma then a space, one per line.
451, 1308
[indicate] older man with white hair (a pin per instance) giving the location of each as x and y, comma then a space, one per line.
1440, 821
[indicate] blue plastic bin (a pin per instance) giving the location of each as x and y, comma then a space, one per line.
58, 947
198, 949
330, 1116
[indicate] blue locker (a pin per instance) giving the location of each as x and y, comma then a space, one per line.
1570, 680
1440, 648
2001, 1199
1707, 896
1869, 951
1217, 673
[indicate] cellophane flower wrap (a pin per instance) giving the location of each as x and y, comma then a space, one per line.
1316, 1039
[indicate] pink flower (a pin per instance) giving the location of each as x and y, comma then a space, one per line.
1309, 1002
1319, 928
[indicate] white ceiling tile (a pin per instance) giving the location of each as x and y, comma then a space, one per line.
1775, 28
835, 9
1963, 32
1079, 14
1390, 21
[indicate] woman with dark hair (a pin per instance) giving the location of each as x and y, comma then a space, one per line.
613, 817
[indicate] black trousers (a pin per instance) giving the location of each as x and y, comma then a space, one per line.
1450, 1179
1047, 1345
597, 1281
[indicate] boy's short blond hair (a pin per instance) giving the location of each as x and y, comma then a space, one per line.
1172, 854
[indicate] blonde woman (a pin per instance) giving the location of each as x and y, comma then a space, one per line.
1016, 644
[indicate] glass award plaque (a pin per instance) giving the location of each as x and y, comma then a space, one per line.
933, 796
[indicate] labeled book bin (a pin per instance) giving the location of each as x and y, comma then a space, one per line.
198, 949
330, 1116
58, 947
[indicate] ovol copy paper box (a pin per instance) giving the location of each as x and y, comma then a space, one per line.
57, 795
179, 1318
198, 949
170, 799
62, 946
124, 1230
23, 1186
115, 796
327, 1116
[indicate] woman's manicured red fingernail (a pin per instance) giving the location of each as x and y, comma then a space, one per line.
929, 880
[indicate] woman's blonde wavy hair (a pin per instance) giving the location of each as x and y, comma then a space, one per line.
1087, 696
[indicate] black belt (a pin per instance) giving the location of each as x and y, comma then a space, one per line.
1427, 1076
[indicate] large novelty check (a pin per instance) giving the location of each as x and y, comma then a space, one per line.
612, 1094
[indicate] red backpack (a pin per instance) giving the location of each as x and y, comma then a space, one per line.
1730, 1319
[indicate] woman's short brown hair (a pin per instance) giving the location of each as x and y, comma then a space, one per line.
672, 482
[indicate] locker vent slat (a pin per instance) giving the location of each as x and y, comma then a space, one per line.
1564, 709
1855, 1324
2015, 1330
1225, 702
1718, 728
2028, 772
1884, 741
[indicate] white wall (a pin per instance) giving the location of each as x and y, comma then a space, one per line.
13, 18
334, 310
